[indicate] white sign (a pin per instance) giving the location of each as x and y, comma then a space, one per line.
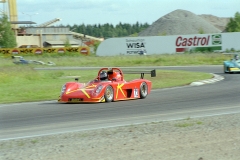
136, 91
169, 44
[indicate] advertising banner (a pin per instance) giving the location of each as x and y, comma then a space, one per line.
170, 44
39, 51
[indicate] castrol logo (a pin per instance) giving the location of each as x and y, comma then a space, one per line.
192, 41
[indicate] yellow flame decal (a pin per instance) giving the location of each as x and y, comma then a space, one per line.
91, 86
72, 91
85, 93
80, 90
119, 87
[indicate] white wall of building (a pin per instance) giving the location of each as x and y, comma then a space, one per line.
28, 40
169, 44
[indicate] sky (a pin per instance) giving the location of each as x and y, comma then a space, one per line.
115, 11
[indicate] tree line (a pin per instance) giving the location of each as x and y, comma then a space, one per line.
108, 30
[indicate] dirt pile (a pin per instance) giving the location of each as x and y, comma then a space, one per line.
182, 22
218, 22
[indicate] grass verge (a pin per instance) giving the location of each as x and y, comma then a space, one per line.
21, 83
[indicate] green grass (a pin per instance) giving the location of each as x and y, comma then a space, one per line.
184, 124
134, 60
188, 124
21, 83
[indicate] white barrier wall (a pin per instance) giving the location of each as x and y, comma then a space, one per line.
169, 44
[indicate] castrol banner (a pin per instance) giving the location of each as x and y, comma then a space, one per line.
219, 42
199, 43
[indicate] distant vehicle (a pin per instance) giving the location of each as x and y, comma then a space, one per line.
21, 60
142, 51
108, 86
232, 66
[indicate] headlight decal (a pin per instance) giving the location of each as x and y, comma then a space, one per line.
98, 89
63, 89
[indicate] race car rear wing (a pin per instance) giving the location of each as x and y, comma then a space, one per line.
152, 72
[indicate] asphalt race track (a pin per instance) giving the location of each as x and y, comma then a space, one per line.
49, 117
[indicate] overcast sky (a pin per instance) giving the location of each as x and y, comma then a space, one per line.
114, 11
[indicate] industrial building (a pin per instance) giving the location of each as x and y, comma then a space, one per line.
43, 35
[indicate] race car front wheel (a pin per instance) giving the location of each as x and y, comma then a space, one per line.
143, 90
108, 94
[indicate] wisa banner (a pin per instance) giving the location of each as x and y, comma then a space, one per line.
169, 44
135, 46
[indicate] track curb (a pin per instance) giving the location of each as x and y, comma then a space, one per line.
216, 78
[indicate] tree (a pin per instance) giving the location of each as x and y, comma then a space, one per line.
95, 45
7, 36
234, 24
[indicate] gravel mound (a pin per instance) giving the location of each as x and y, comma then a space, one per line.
218, 22
179, 22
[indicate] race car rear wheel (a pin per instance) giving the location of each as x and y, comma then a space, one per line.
143, 90
108, 94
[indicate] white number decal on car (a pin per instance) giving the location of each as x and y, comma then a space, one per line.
136, 92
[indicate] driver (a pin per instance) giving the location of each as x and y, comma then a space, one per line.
114, 76
103, 76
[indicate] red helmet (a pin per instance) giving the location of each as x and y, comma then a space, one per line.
114, 76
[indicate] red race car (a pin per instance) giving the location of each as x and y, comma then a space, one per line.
108, 86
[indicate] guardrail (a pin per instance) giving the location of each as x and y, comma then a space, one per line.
39, 51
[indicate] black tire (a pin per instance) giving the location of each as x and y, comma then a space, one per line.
108, 94
143, 90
